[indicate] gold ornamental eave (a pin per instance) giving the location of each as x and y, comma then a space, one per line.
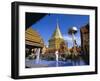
33, 38
41, 45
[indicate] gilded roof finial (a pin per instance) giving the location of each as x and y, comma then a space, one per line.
57, 33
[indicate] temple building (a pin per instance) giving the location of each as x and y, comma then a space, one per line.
32, 40
85, 38
56, 41
85, 42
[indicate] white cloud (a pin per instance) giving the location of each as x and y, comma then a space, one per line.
68, 38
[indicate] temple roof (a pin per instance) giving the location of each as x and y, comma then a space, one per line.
57, 33
33, 38
85, 29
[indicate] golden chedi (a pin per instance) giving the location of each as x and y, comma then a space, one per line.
56, 39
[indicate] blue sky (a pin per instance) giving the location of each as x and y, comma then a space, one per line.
47, 25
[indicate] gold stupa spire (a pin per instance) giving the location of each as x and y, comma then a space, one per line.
57, 33
56, 39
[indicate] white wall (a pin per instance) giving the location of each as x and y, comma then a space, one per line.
5, 41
